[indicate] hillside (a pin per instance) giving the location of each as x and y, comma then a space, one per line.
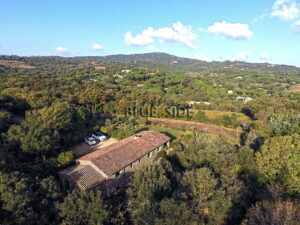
231, 123
156, 60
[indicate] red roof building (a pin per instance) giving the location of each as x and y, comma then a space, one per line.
106, 166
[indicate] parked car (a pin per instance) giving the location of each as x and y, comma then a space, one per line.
90, 140
99, 136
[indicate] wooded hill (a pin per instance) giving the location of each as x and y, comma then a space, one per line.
50, 104
156, 60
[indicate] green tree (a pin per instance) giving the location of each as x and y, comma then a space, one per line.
200, 185
16, 199
273, 213
206, 195
66, 158
174, 212
201, 116
149, 183
279, 161
83, 207
58, 116
161, 110
93, 99
147, 187
37, 140
5, 119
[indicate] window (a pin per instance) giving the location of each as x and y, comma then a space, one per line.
122, 171
159, 148
151, 154
114, 176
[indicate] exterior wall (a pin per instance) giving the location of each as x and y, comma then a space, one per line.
121, 182
112, 185
134, 164
144, 159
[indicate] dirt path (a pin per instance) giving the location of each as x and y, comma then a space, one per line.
227, 133
295, 89
83, 148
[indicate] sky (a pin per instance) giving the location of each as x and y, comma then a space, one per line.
246, 30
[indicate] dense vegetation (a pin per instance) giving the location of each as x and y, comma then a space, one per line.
52, 105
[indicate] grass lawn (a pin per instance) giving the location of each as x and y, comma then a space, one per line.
212, 114
173, 133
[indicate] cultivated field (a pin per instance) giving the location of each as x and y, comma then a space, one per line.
15, 64
230, 134
295, 89
212, 114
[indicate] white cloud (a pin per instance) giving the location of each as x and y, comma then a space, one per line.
260, 17
61, 50
242, 56
153, 48
296, 26
96, 47
286, 9
265, 56
202, 57
177, 33
145, 38
235, 31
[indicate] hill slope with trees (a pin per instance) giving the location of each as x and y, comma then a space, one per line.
55, 102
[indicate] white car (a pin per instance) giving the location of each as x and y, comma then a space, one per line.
99, 136
90, 140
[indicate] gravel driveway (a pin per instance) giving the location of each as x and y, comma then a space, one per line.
83, 148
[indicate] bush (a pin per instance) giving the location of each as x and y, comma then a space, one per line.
66, 158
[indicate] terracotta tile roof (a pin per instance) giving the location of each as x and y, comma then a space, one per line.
115, 157
83, 176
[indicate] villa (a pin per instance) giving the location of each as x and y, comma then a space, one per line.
110, 168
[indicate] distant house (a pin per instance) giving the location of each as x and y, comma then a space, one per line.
111, 167
230, 91
244, 99
118, 76
126, 71
190, 103
239, 77
100, 67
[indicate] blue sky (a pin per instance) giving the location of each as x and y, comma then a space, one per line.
249, 30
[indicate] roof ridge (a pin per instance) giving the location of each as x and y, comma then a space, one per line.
109, 148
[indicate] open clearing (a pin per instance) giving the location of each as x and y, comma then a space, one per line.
227, 133
173, 133
212, 114
15, 64
295, 89
83, 148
